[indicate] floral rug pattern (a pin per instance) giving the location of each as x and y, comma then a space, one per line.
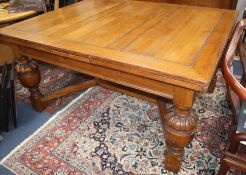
109, 133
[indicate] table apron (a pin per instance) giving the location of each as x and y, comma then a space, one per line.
123, 78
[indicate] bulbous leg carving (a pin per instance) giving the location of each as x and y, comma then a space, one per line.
179, 124
29, 76
179, 131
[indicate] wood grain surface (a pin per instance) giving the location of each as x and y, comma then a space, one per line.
6, 17
175, 44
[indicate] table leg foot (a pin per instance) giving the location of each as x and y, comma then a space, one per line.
29, 76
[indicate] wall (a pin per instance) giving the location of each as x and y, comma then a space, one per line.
228, 4
240, 8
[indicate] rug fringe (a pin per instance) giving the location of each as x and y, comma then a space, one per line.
43, 126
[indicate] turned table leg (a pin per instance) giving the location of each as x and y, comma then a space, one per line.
29, 76
179, 127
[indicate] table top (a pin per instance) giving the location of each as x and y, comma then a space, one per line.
176, 44
6, 17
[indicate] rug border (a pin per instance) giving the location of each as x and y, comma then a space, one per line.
40, 128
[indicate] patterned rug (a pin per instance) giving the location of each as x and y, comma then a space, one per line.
52, 78
106, 132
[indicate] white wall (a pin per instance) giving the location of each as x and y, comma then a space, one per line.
241, 5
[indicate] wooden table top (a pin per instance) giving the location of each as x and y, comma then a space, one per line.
176, 44
6, 17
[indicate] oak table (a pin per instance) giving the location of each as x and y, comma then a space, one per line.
161, 50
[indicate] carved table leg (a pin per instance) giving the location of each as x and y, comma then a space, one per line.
179, 127
29, 76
